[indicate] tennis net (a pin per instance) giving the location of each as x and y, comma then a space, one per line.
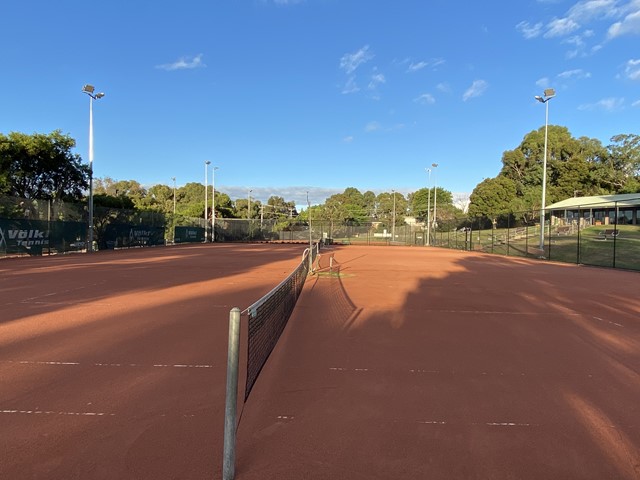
268, 317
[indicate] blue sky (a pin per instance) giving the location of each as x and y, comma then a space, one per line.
290, 96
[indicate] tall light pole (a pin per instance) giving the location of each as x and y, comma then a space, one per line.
310, 236
89, 90
435, 201
206, 199
213, 204
174, 195
249, 204
548, 94
393, 218
428, 170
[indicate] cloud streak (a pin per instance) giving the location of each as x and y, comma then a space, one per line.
632, 69
351, 61
183, 63
477, 88
620, 17
609, 104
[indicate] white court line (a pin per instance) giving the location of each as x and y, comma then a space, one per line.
424, 371
117, 365
607, 321
488, 424
504, 424
50, 412
84, 414
32, 300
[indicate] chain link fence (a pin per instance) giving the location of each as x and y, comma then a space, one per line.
602, 234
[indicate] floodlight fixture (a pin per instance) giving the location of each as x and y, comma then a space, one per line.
89, 89
547, 95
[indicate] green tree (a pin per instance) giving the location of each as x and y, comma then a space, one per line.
42, 166
492, 198
224, 205
278, 207
386, 202
620, 170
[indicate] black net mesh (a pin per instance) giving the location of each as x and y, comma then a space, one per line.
268, 317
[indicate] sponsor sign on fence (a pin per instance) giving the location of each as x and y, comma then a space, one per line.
35, 237
188, 234
127, 236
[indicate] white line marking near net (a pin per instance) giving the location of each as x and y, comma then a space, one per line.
50, 412
488, 424
115, 365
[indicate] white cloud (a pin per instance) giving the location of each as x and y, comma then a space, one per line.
444, 87
414, 67
632, 69
529, 31
630, 25
559, 27
372, 127
608, 104
425, 99
572, 27
636, 104
351, 61
577, 74
477, 88
376, 79
183, 63
350, 86
348, 139
588, 10
543, 82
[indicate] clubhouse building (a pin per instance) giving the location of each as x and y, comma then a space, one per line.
597, 210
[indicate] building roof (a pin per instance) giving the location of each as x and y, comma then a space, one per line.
598, 201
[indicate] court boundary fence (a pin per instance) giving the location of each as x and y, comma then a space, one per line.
266, 319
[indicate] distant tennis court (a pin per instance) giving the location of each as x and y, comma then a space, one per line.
398, 362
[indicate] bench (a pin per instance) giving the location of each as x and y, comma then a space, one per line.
564, 230
609, 233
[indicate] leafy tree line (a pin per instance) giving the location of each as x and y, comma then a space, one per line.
43, 166
355, 207
575, 167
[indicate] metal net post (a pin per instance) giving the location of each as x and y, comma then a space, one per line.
230, 413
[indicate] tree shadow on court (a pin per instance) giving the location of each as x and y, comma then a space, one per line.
41, 285
455, 366
126, 363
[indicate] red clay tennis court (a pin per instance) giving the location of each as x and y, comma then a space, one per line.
399, 363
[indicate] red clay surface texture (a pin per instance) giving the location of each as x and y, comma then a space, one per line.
113, 365
435, 364
412, 363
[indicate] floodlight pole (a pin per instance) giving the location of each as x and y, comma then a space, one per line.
213, 204
206, 198
310, 236
549, 93
428, 170
435, 201
393, 218
89, 89
174, 195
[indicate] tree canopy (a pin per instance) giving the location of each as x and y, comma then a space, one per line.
575, 167
41, 166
